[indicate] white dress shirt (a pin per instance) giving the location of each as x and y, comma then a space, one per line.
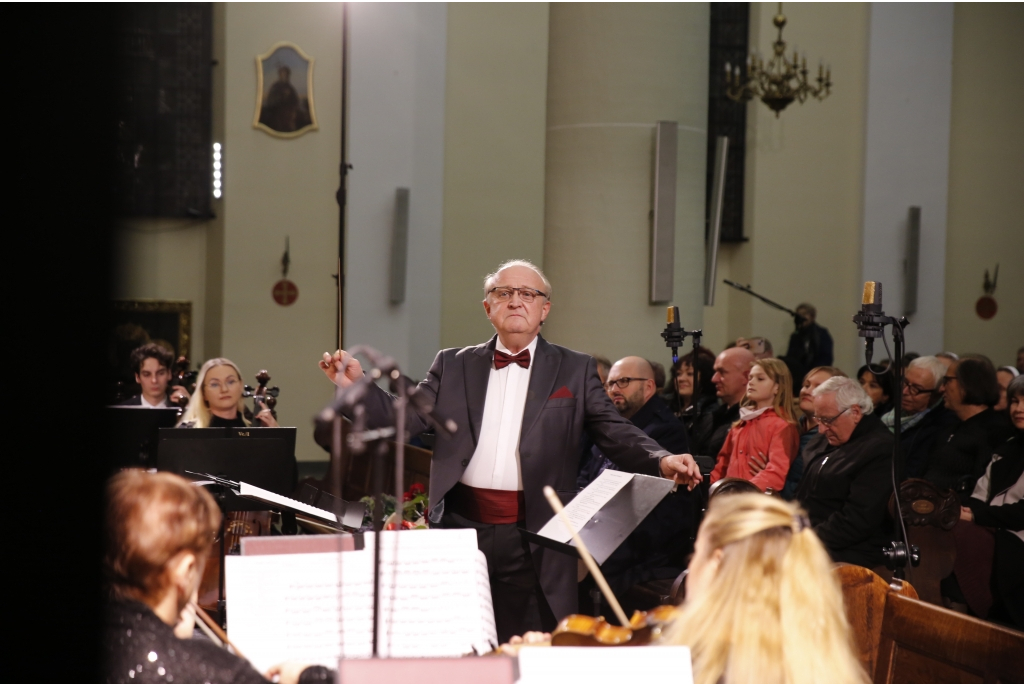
146, 405
495, 463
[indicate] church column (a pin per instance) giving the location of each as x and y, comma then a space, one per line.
614, 70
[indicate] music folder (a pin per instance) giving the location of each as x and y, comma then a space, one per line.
604, 513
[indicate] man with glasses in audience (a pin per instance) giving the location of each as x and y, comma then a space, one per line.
658, 547
924, 413
522, 407
846, 483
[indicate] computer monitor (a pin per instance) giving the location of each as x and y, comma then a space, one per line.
264, 457
132, 434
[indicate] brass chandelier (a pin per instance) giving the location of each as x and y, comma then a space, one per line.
781, 81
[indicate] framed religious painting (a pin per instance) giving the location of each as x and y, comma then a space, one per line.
134, 323
284, 92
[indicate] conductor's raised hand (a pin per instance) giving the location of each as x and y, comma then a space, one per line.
682, 469
342, 368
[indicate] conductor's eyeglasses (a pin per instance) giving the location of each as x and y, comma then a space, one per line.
504, 294
621, 383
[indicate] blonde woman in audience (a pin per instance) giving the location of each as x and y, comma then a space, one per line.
762, 604
217, 402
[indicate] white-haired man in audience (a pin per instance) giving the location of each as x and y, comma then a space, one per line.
924, 413
846, 487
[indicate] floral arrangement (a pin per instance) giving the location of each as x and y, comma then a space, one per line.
414, 510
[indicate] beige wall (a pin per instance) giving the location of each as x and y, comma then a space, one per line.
275, 188
804, 191
615, 70
495, 104
986, 176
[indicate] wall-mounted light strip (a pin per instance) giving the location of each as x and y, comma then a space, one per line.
217, 166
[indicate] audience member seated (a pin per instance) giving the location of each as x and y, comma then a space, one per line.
760, 347
807, 424
947, 358
659, 376
998, 503
158, 530
762, 604
766, 437
152, 364
961, 453
732, 370
877, 383
684, 386
218, 399
847, 483
810, 345
1004, 375
925, 414
658, 547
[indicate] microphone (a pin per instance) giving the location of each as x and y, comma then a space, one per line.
869, 321
673, 333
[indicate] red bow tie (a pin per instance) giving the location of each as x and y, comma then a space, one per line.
501, 359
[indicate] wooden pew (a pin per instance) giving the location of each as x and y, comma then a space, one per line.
864, 596
900, 639
923, 643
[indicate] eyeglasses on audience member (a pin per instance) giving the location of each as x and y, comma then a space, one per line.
504, 294
621, 383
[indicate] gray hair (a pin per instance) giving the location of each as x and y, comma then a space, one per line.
1016, 387
933, 365
848, 393
489, 278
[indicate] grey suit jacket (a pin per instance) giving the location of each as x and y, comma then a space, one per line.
549, 444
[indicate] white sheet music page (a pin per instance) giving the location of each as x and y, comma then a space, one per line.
317, 608
669, 664
583, 507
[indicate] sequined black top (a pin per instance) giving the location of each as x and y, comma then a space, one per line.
140, 648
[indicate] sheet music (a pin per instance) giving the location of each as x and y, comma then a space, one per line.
583, 507
247, 490
435, 601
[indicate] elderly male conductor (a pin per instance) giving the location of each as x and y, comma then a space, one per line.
522, 406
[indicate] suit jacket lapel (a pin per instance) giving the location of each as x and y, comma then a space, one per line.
542, 382
478, 371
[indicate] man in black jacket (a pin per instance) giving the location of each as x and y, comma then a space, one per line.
658, 547
846, 482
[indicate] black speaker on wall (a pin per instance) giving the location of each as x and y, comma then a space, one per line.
730, 26
164, 109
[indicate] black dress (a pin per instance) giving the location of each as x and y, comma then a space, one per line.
138, 647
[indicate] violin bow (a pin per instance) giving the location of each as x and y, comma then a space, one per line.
609, 596
212, 630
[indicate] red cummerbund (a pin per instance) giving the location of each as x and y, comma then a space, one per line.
486, 506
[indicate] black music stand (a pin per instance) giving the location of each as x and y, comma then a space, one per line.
613, 522
132, 434
264, 457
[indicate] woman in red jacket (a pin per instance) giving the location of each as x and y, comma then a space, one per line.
766, 428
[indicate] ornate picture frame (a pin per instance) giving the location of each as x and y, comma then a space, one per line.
137, 322
284, 92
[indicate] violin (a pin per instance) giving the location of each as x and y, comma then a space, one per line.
644, 627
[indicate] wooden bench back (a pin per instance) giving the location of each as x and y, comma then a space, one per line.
923, 643
864, 596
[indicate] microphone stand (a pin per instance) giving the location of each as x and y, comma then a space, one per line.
872, 325
797, 319
360, 440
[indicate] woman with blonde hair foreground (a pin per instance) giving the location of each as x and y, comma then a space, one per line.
762, 602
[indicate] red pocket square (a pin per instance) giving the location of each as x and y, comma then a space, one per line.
562, 393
